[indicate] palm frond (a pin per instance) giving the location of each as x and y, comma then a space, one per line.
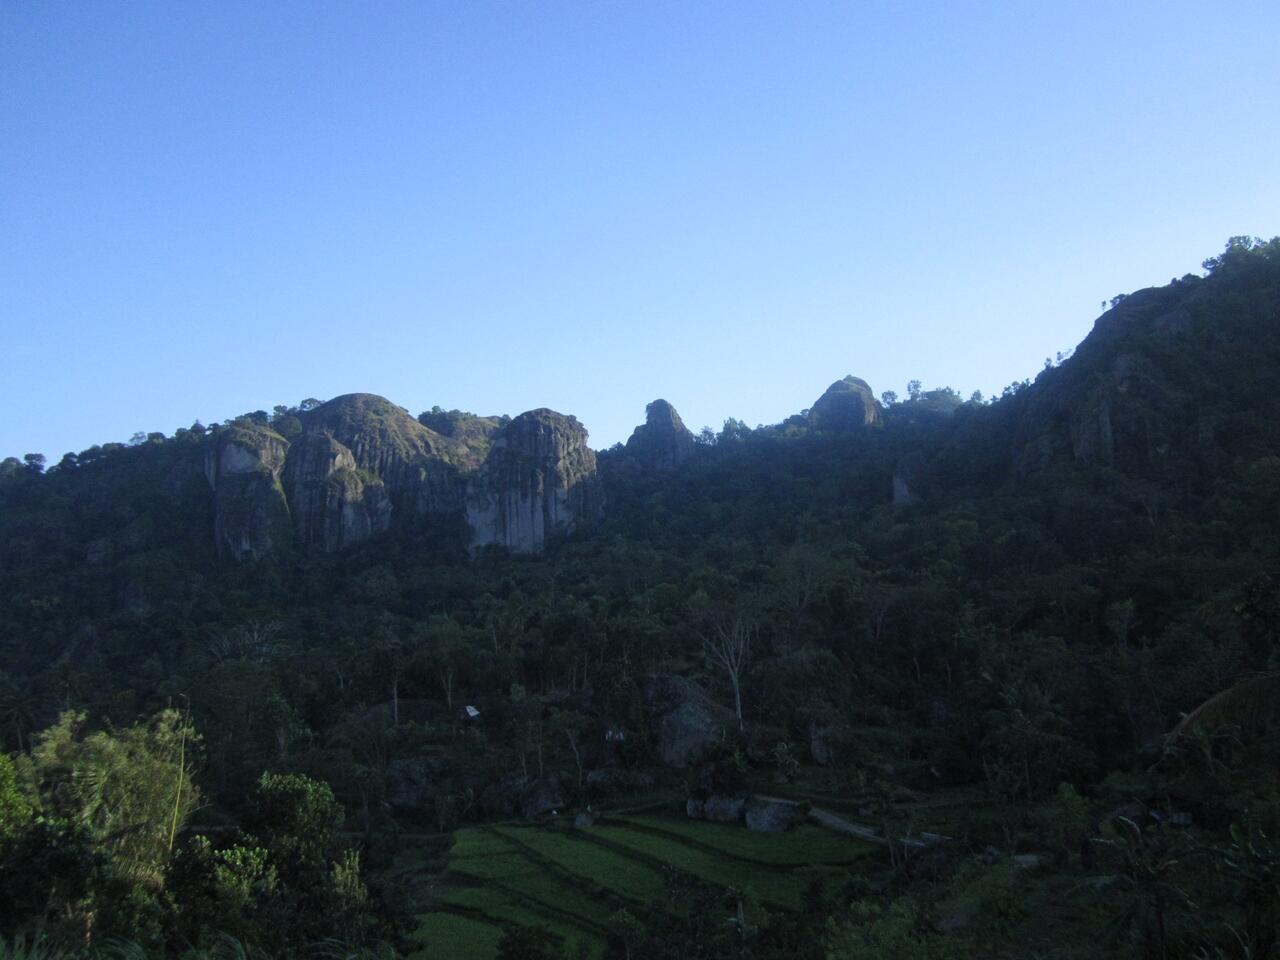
1248, 705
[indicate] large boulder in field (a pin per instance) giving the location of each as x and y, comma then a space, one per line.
542, 795
718, 807
718, 792
686, 724
771, 815
527, 797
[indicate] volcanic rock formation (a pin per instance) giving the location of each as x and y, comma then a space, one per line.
243, 463
538, 480
846, 404
662, 442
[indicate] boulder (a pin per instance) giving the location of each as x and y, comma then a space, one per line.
718, 807
540, 796
768, 815
527, 797
687, 724
538, 480
687, 733
410, 784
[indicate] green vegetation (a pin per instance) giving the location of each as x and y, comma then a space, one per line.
800, 846
450, 935
1045, 627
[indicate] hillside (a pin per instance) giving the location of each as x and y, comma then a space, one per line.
936, 617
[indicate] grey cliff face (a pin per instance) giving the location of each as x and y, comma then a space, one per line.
662, 442
362, 462
243, 464
334, 503
847, 404
538, 480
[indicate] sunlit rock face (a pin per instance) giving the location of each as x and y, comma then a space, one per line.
662, 442
243, 463
846, 404
539, 480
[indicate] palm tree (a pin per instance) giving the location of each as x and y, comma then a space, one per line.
17, 708
1149, 861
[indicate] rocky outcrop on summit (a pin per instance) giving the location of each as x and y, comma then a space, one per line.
846, 404
662, 442
1126, 398
334, 503
538, 480
420, 469
243, 463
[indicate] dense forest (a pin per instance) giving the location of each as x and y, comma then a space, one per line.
1014, 660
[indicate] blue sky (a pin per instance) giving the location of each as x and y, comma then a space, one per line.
210, 208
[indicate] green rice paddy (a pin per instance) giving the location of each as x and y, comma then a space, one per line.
572, 881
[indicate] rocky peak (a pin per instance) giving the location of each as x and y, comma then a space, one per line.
662, 442
846, 404
471, 434
420, 469
538, 480
380, 435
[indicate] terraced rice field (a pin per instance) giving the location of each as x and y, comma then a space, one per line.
572, 881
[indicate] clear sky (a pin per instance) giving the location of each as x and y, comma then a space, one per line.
210, 208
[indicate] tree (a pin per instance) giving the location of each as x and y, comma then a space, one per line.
727, 639
1147, 882
34, 462
872, 931
133, 790
1252, 862
443, 653
889, 398
571, 725
18, 707
15, 810
913, 389
297, 819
